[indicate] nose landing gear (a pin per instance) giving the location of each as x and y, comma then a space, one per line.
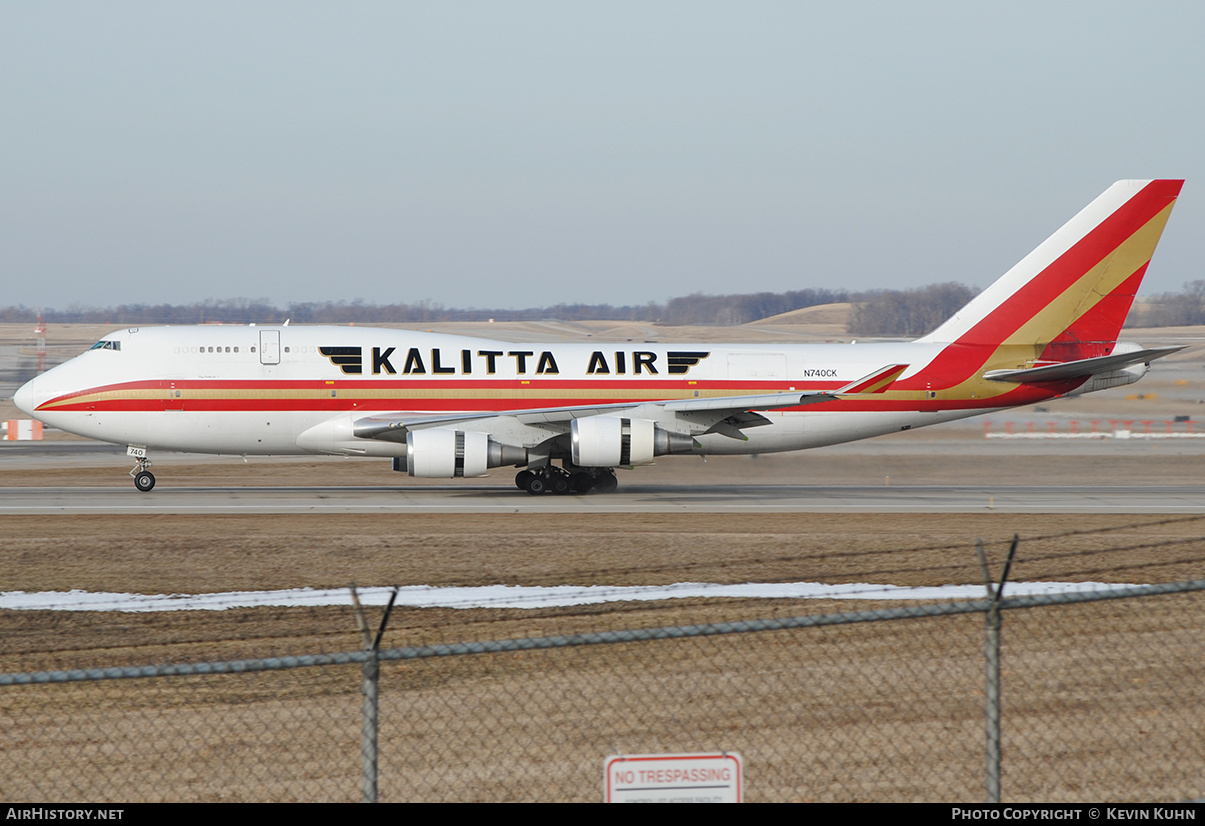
144, 480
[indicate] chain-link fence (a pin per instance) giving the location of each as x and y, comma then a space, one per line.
1100, 699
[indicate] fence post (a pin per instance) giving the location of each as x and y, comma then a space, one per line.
369, 730
991, 653
371, 673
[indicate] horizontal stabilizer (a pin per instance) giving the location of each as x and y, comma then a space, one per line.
1081, 368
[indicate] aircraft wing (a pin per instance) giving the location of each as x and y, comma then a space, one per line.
1080, 368
394, 427
713, 411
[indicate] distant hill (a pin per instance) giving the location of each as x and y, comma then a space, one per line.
837, 314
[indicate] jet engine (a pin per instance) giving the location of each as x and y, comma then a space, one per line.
610, 441
446, 454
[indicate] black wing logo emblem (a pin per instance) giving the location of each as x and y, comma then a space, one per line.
348, 359
681, 361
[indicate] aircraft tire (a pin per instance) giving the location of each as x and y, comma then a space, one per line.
536, 485
582, 482
606, 483
522, 478
560, 484
144, 481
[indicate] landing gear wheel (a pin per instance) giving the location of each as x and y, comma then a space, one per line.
536, 485
144, 480
581, 482
560, 484
606, 483
522, 478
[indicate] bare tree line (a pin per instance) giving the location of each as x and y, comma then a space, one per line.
915, 312
692, 309
906, 313
911, 313
1181, 309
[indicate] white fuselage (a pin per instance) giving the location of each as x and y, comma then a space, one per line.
291, 390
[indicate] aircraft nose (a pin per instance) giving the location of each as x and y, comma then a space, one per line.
26, 397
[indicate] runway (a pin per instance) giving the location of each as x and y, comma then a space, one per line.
742, 498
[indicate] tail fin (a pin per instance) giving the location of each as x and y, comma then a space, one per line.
1069, 297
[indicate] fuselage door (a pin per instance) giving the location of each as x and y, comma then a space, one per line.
269, 346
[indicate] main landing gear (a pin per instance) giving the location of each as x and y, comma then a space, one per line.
549, 479
144, 480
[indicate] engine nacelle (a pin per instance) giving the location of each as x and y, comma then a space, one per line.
1114, 378
446, 454
610, 441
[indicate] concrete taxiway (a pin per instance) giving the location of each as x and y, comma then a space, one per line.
634, 499
952, 470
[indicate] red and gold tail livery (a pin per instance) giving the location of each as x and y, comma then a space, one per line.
566, 415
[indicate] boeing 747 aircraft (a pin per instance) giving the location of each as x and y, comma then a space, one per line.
452, 406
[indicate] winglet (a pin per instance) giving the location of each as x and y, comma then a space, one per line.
876, 382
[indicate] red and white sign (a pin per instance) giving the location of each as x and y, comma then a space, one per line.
23, 430
673, 778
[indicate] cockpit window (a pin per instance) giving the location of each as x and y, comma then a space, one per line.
106, 345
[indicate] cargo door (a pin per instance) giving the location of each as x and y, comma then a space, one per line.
759, 366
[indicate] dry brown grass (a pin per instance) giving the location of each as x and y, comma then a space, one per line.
841, 713
1101, 704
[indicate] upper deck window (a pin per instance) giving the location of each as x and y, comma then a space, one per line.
106, 345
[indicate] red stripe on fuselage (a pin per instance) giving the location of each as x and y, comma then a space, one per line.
358, 394
269, 402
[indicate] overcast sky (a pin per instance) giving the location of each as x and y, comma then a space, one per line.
521, 154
